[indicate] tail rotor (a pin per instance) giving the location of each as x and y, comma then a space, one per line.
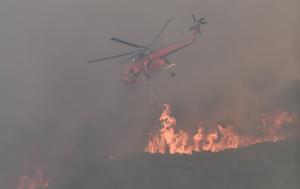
197, 24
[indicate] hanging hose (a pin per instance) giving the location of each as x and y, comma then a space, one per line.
150, 90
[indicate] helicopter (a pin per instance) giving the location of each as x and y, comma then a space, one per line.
146, 61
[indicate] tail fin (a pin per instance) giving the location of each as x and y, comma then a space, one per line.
197, 24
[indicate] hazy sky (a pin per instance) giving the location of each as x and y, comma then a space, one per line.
248, 54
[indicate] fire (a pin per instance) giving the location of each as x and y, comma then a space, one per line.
35, 181
220, 138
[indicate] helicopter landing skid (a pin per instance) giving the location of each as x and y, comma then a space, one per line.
168, 66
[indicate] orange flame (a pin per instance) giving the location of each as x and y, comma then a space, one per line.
35, 181
218, 139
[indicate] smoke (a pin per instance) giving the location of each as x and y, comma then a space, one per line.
56, 107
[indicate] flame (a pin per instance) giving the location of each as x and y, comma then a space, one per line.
220, 138
35, 181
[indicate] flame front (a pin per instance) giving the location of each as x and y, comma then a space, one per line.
35, 181
220, 138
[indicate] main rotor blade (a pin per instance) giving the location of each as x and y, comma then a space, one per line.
111, 57
127, 43
130, 58
157, 36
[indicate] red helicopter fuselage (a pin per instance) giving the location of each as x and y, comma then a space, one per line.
154, 61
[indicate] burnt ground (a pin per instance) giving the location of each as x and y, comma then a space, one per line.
275, 166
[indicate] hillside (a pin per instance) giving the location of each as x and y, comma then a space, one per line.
270, 165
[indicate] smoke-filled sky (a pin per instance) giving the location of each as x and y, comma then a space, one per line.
246, 61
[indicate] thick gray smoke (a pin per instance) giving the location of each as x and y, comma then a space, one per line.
55, 106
